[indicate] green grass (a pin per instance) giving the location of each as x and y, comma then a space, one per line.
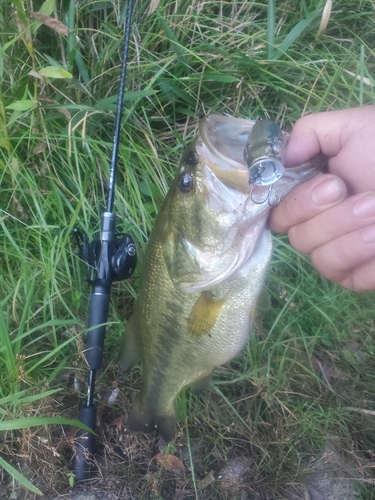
311, 357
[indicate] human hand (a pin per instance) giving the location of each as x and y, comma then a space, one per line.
332, 217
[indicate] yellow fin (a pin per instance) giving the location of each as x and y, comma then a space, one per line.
204, 314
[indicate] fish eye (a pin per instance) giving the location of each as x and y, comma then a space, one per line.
186, 183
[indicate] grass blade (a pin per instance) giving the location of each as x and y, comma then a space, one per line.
295, 33
5, 345
17, 476
23, 423
180, 51
271, 27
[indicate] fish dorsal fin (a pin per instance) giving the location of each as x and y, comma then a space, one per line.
204, 314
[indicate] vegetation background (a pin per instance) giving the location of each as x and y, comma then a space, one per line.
307, 379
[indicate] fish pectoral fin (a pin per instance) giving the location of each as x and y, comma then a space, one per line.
143, 418
200, 385
130, 351
204, 314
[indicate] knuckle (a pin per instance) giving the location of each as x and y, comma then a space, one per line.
279, 219
296, 241
363, 277
335, 262
294, 206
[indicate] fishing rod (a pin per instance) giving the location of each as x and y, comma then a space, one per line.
110, 258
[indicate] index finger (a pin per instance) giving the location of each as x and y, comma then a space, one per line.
307, 200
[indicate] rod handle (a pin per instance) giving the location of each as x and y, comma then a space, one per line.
98, 317
85, 445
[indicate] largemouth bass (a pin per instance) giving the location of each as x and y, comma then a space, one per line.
203, 269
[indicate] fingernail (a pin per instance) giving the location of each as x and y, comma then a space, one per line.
368, 234
365, 207
327, 192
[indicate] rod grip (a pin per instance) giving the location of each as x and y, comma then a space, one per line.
98, 317
85, 444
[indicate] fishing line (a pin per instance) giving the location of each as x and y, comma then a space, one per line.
116, 134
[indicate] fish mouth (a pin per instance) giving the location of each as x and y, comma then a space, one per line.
222, 143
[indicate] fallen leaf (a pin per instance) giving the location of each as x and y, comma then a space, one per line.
65, 112
39, 148
52, 23
170, 463
36, 75
206, 481
45, 100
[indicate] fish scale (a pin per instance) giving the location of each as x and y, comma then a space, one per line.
203, 270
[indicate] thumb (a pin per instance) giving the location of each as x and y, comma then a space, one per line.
327, 132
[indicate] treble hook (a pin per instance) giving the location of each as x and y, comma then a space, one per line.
276, 198
272, 198
260, 201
